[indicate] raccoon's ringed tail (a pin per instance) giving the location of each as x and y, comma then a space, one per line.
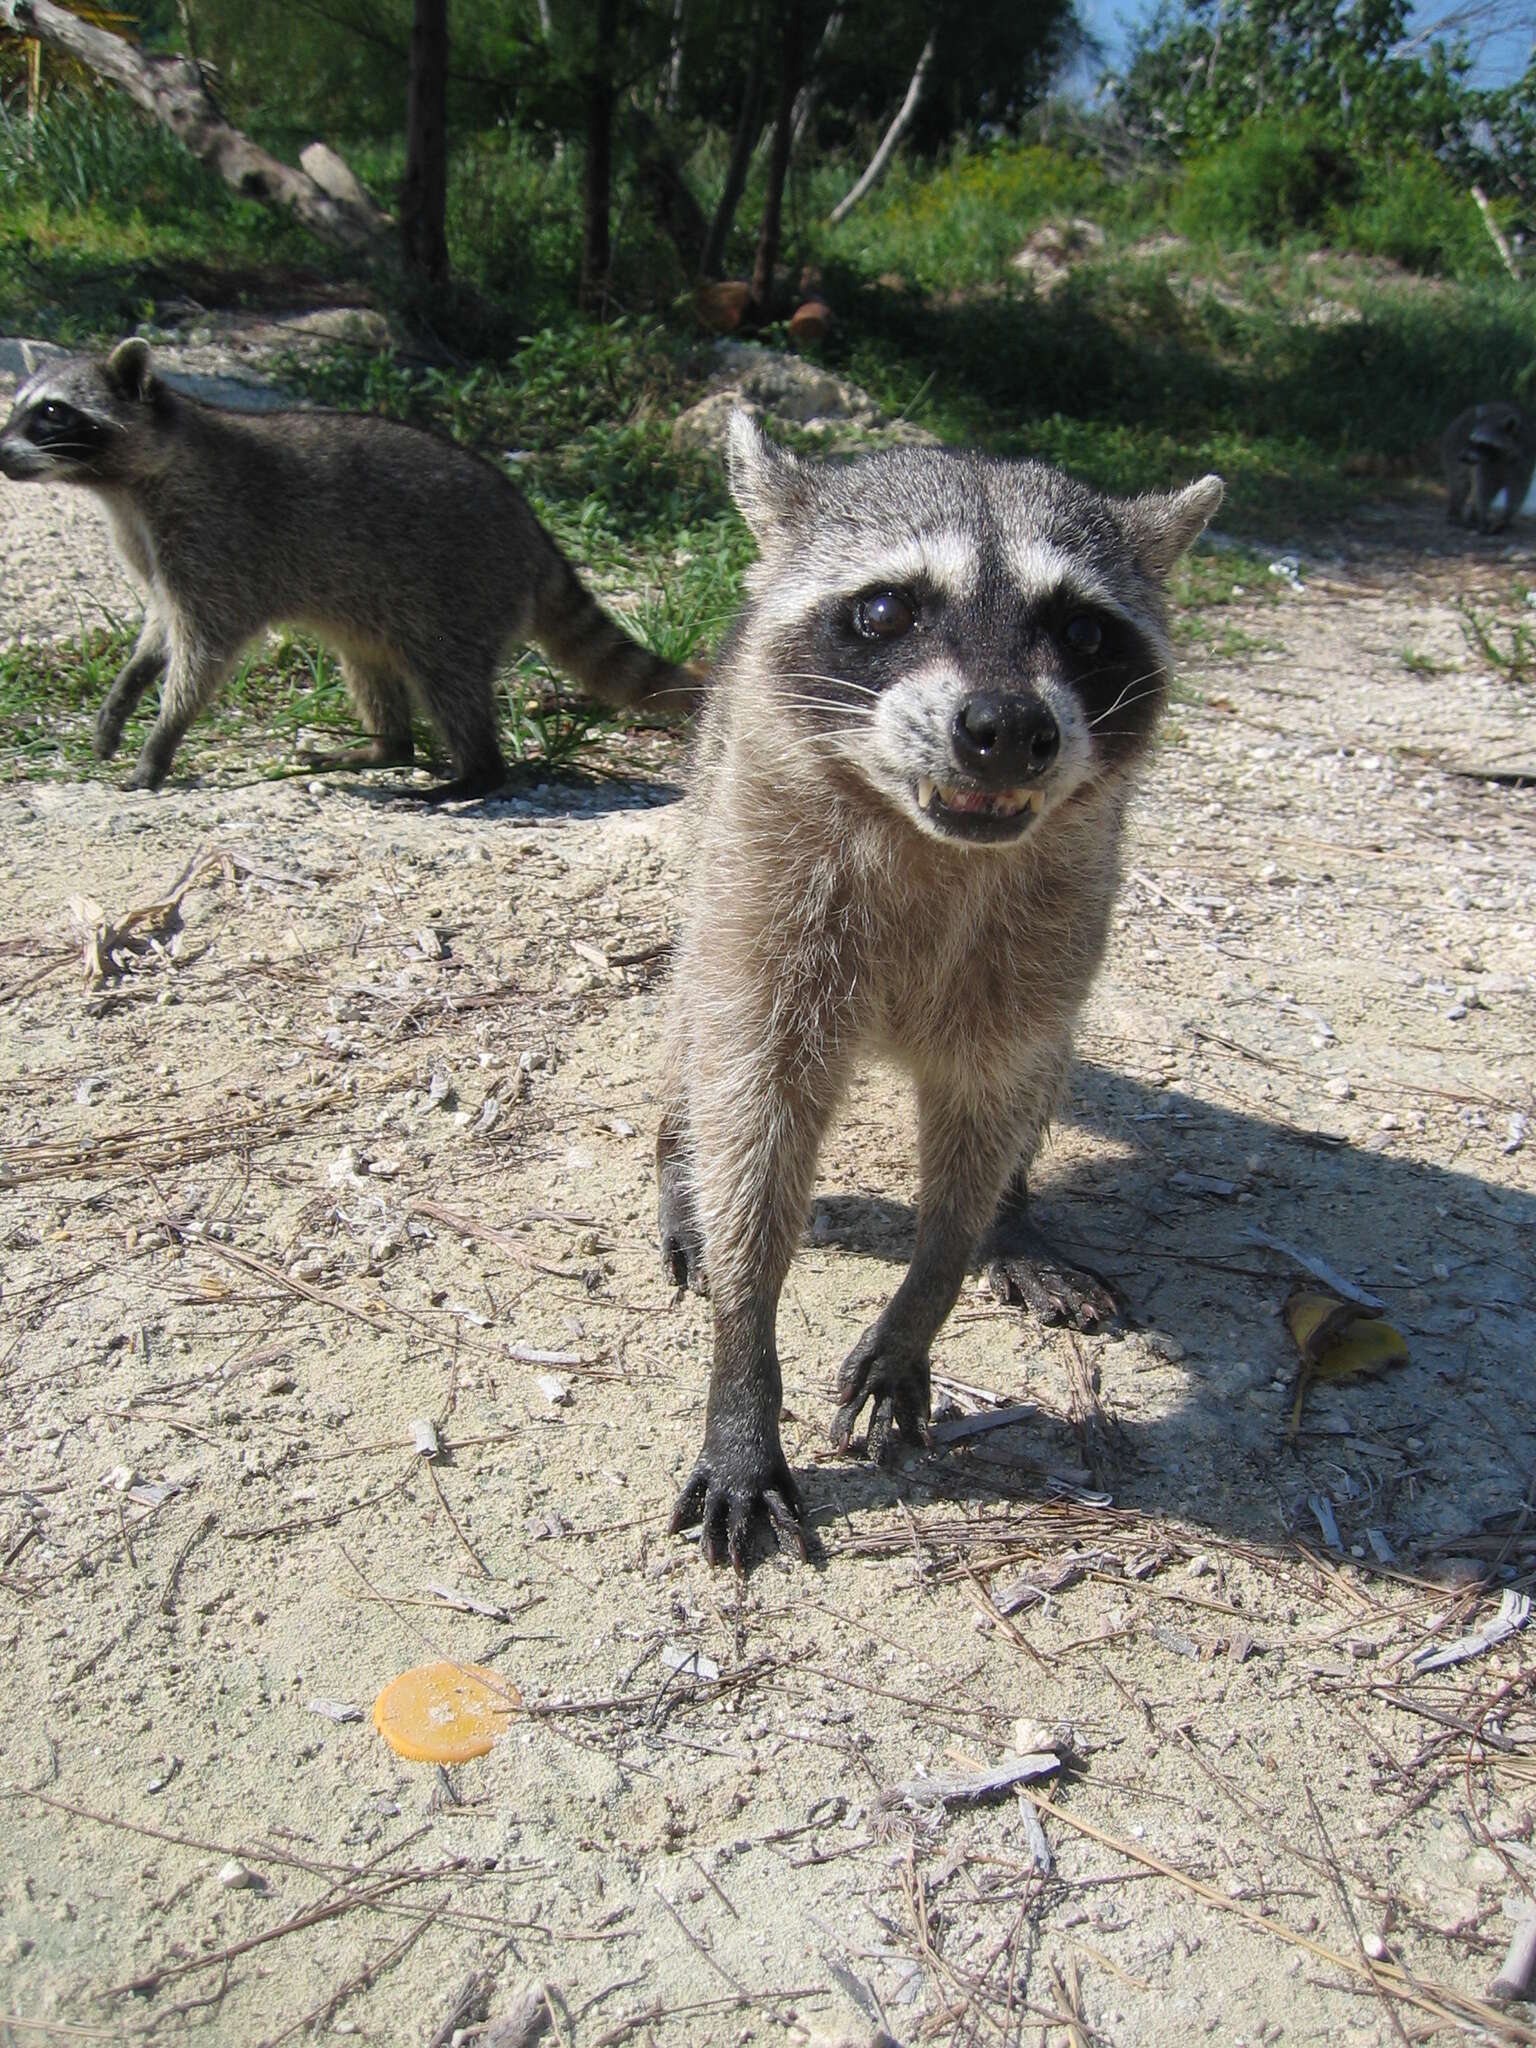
591, 648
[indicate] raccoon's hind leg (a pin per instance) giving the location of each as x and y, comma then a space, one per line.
1023, 1267
192, 678
144, 666
457, 689
384, 705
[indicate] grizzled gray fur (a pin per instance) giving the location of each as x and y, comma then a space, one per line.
906, 814
419, 562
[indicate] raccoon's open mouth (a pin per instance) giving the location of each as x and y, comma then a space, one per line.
965, 812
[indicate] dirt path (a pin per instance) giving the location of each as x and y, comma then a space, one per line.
368, 1140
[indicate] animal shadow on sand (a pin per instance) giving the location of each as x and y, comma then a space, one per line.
1170, 1216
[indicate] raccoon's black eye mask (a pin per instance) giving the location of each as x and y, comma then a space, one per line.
56, 425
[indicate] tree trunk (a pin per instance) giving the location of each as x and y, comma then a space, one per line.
674, 71
424, 189
668, 197
778, 156
749, 125
889, 140
596, 245
173, 90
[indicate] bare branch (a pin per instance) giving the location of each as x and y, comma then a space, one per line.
893, 135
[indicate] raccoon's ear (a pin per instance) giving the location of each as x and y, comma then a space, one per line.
767, 482
128, 367
1163, 524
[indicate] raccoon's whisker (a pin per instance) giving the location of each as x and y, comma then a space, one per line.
836, 682
1121, 703
858, 711
815, 745
1151, 680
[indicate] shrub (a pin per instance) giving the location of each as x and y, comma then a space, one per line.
1270, 180
959, 225
1410, 209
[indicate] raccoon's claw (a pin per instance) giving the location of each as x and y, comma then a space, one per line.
725, 1497
1053, 1289
896, 1385
683, 1260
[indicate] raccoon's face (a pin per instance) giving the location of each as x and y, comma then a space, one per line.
82, 420
977, 640
1497, 432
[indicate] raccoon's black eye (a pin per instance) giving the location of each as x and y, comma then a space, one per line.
884, 615
1084, 633
53, 412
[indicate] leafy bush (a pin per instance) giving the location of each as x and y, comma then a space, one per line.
1273, 178
1409, 209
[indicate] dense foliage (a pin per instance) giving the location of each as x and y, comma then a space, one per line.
1204, 71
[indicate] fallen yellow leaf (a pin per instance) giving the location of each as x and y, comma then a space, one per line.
1338, 1340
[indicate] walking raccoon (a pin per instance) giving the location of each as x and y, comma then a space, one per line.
419, 562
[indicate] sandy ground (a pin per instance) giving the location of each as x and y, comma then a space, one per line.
361, 1136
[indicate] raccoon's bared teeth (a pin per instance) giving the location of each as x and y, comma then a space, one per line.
989, 803
925, 787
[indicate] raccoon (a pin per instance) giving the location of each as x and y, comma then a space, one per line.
419, 562
1488, 449
906, 810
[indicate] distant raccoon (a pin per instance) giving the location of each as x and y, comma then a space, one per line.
1488, 449
907, 803
419, 562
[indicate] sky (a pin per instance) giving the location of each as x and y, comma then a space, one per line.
1501, 55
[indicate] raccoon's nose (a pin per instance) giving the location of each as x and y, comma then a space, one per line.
1004, 738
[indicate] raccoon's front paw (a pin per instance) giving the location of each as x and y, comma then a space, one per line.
881, 1370
1052, 1288
737, 1477
146, 775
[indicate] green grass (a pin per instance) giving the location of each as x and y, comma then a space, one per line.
1417, 663
1507, 645
104, 218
